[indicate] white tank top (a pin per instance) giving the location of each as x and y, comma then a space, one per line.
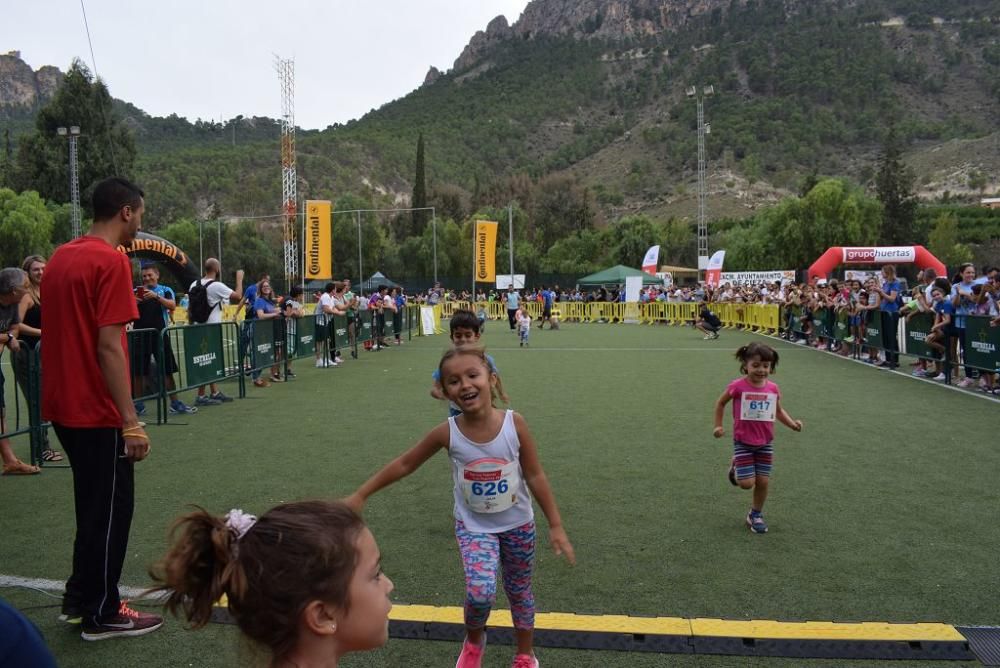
490, 493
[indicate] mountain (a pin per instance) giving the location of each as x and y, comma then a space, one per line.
594, 90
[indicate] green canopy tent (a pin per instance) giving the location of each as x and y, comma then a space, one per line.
377, 279
616, 276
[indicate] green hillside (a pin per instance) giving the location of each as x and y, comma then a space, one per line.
583, 132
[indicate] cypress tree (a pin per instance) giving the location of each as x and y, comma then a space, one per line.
894, 185
419, 218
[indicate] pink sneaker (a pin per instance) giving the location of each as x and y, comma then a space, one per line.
472, 655
525, 661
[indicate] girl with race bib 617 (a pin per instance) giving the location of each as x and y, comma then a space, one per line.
496, 472
756, 405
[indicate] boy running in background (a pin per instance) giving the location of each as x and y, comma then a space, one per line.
465, 331
523, 319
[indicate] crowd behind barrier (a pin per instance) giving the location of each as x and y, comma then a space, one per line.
837, 319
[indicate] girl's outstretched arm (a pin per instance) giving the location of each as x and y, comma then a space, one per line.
401, 466
538, 483
720, 410
786, 419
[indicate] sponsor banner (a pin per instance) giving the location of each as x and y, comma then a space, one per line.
917, 329
652, 259
262, 351
758, 277
714, 269
882, 255
486, 251
504, 281
982, 344
666, 277
873, 329
319, 251
341, 337
203, 361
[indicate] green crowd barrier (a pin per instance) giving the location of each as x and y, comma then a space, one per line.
207, 353
365, 326
265, 350
341, 332
412, 316
873, 329
27, 401
918, 328
299, 337
982, 343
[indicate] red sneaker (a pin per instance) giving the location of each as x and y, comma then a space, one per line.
472, 655
126, 623
525, 661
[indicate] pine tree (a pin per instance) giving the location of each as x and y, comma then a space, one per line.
105, 148
419, 191
894, 185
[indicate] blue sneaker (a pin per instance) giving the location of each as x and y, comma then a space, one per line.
177, 407
140, 408
756, 523
205, 400
221, 398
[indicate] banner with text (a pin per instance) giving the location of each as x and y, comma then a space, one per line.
982, 344
319, 251
758, 277
486, 251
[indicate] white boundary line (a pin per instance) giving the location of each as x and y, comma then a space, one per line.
58, 586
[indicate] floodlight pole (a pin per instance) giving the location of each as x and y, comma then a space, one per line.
703, 129
73, 133
510, 241
361, 273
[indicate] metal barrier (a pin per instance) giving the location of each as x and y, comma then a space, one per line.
208, 353
148, 366
27, 390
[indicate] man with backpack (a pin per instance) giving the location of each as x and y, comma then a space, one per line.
206, 297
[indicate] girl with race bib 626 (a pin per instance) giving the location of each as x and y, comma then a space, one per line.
496, 471
756, 405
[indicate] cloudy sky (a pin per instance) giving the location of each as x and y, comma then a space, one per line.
214, 59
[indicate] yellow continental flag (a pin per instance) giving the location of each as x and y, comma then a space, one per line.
486, 251
319, 251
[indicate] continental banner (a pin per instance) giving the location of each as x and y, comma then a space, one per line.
319, 251
486, 251
982, 344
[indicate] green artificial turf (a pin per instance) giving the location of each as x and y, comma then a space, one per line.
882, 509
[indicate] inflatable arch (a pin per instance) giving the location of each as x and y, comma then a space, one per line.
838, 255
151, 247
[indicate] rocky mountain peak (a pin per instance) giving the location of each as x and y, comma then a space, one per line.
24, 88
496, 31
582, 19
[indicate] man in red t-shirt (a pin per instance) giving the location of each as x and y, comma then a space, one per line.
87, 397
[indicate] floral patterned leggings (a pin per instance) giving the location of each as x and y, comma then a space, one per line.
513, 552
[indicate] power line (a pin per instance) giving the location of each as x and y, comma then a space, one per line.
97, 76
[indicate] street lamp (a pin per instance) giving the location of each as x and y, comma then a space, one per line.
703, 129
73, 133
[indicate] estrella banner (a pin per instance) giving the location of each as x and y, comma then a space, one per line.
486, 251
319, 251
714, 271
651, 260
